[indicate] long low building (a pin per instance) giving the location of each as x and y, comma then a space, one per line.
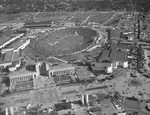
62, 69
55, 70
38, 24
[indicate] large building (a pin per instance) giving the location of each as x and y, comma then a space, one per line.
113, 56
63, 69
54, 70
21, 80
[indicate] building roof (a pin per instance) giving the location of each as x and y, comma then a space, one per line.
10, 56
14, 64
16, 57
62, 66
6, 57
114, 53
24, 85
122, 47
63, 106
16, 74
105, 55
115, 33
92, 97
121, 56
100, 66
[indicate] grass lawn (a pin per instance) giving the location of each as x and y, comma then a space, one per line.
68, 44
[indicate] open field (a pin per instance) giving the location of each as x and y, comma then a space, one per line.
100, 17
68, 44
77, 17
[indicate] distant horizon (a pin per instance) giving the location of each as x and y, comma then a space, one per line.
16, 6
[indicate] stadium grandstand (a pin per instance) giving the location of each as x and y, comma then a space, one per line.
62, 41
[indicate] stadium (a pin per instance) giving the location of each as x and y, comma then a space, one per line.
61, 42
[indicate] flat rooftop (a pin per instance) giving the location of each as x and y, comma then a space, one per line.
16, 56
61, 66
99, 66
115, 33
20, 73
6, 57
115, 52
121, 56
